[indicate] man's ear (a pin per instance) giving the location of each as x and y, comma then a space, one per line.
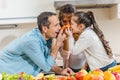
44, 29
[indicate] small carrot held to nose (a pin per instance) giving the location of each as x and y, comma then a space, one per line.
65, 26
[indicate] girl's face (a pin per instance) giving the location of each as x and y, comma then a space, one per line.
66, 18
74, 25
76, 28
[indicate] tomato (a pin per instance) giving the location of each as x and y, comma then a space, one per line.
81, 74
117, 75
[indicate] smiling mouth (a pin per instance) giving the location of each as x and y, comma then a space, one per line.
57, 32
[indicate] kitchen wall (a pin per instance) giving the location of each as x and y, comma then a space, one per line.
9, 34
23, 11
109, 26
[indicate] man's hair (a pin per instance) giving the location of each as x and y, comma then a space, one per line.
42, 19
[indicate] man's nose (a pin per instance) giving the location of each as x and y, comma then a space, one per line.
59, 27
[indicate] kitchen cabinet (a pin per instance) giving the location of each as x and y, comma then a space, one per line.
115, 11
23, 11
86, 4
113, 5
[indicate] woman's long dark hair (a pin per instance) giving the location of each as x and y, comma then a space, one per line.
88, 19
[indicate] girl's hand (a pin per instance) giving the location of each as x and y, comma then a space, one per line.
67, 72
68, 32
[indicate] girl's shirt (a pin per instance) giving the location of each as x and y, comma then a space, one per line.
90, 44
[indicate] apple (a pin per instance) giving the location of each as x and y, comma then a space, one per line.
89, 76
81, 74
117, 75
98, 77
71, 78
98, 72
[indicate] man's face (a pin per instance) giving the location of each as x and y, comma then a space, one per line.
54, 27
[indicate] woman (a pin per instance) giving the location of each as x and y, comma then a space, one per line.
91, 41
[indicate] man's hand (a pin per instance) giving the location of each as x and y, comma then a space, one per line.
61, 37
61, 71
58, 44
67, 72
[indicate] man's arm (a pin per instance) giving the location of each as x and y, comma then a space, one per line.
34, 51
56, 69
59, 41
54, 51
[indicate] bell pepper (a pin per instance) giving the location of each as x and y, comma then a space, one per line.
108, 76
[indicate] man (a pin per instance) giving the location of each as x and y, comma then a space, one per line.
31, 52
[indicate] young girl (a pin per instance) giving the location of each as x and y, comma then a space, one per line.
91, 41
75, 62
